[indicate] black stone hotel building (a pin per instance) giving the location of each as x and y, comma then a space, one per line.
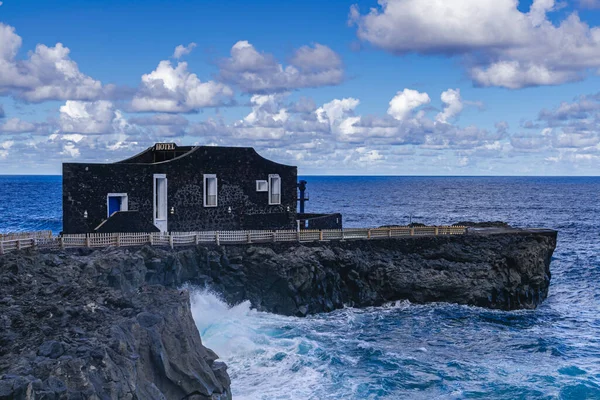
172, 188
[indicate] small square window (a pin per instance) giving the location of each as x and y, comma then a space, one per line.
262, 186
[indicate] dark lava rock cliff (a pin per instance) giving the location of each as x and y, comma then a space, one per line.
112, 323
508, 271
86, 326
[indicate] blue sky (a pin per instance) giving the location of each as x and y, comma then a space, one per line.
399, 87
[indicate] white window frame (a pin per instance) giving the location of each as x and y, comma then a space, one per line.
266, 187
204, 179
124, 202
166, 216
271, 177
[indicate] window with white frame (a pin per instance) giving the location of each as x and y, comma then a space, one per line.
116, 202
274, 189
160, 197
210, 190
262, 186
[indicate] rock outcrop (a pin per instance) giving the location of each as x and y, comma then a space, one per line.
501, 269
84, 325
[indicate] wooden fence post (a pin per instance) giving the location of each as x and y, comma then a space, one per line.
389, 232
151, 239
1, 247
412, 231
87, 240
18, 244
33, 243
275, 237
171, 239
61, 242
118, 240
368, 234
217, 238
196, 239
248, 237
437, 231
321, 235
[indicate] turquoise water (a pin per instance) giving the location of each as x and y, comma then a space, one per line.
404, 350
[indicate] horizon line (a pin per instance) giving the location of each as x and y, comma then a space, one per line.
399, 176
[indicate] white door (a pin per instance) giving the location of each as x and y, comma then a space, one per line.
160, 202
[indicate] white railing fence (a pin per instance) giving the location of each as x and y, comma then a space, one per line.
45, 240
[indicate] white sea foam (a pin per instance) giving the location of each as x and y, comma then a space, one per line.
266, 356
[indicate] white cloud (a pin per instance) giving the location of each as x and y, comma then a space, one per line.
5, 147
453, 105
515, 75
15, 125
336, 110
368, 156
175, 89
70, 150
402, 105
87, 117
160, 119
589, 4
255, 72
48, 73
316, 58
575, 140
582, 109
502, 46
182, 50
440, 26
265, 108
339, 115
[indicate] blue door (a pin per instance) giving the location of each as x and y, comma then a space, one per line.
114, 205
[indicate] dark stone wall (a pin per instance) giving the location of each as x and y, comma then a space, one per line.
321, 221
127, 222
85, 187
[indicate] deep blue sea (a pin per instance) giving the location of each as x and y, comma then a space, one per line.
435, 351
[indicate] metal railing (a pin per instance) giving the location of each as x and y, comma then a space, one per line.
45, 240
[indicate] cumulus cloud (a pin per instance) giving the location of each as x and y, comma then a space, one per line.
182, 50
87, 117
256, 72
453, 105
175, 89
339, 115
500, 45
402, 105
47, 74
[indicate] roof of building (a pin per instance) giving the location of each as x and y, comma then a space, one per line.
167, 152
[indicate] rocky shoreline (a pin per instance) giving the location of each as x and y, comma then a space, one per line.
86, 326
113, 323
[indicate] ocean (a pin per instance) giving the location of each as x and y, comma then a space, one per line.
403, 350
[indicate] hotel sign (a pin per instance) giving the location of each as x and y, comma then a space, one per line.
164, 146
